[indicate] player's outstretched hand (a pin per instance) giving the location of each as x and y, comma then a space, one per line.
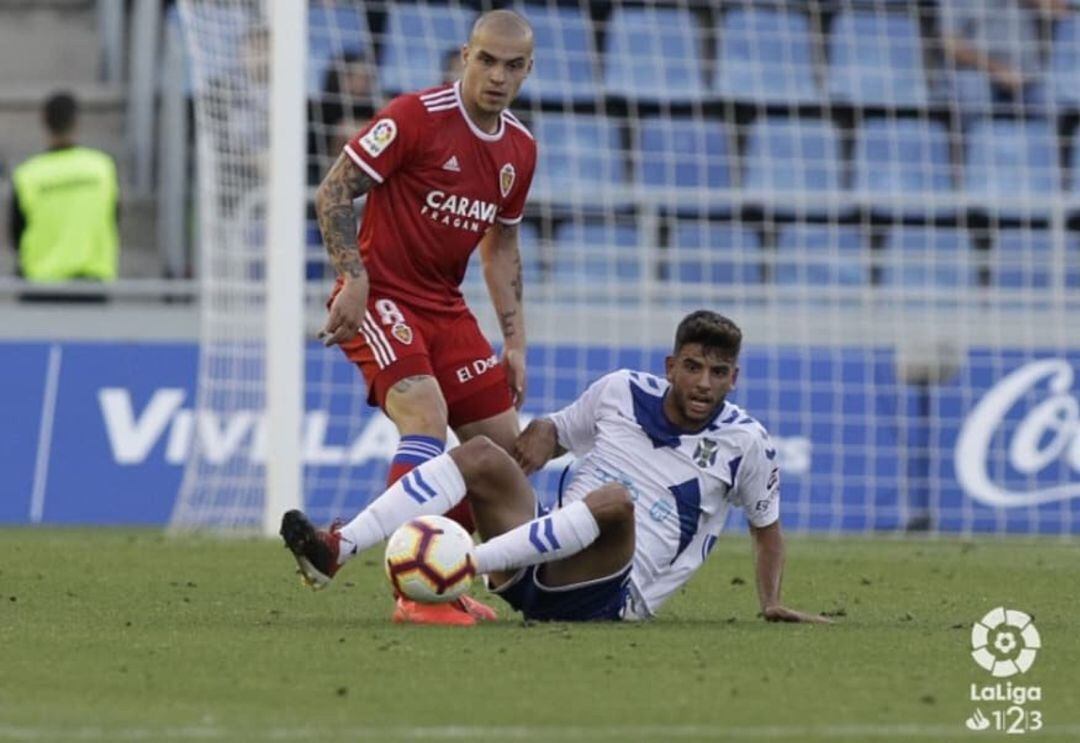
536, 445
514, 364
346, 314
779, 613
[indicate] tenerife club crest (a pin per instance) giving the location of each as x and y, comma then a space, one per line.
506, 179
705, 454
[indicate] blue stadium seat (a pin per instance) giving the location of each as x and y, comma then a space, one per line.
531, 260
580, 159
333, 30
683, 154
654, 53
714, 253
225, 27
1074, 184
1022, 259
792, 155
1072, 261
417, 37
927, 257
531, 257
1063, 73
821, 255
596, 251
1010, 159
875, 58
766, 56
566, 66
896, 157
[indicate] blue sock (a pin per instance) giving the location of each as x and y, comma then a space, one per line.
412, 451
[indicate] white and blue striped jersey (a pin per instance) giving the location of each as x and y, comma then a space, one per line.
682, 484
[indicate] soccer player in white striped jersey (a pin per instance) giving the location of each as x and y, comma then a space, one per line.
659, 464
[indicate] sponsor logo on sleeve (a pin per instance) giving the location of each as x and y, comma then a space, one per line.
379, 137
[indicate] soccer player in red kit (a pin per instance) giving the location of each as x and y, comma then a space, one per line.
445, 170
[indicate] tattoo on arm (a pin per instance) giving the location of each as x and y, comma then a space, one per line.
506, 322
508, 234
518, 283
337, 222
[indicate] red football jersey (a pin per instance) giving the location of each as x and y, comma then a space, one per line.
442, 183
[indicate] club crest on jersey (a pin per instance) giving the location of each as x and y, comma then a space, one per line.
379, 137
705, 454
402, 332
506, 179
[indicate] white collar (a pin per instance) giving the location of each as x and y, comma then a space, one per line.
472, 125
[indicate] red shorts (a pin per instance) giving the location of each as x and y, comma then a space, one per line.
396, 341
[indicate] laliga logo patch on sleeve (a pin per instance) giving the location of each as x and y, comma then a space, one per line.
379, 137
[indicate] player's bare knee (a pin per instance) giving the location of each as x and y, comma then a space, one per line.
611, 505
422, 420
477, 459
416, 406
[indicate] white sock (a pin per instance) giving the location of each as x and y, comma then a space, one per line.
434, 487
560, 534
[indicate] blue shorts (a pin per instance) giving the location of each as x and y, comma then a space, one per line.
592, 601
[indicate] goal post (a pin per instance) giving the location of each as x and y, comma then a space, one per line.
248, 69
285, 262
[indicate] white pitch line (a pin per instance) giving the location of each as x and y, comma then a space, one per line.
515, 732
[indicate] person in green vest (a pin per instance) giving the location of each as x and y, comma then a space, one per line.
64, 206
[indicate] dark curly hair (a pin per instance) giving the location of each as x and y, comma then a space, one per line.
712, 330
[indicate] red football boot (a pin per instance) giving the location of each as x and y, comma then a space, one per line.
408, 611
478, 609
316, 550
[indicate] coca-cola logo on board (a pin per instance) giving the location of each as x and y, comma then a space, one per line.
1048, 432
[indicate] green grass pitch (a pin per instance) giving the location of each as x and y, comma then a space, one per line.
130, 635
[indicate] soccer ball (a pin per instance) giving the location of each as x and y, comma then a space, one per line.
430, 559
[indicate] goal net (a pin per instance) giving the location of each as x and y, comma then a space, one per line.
894, 228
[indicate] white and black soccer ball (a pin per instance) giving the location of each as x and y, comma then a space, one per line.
430, 559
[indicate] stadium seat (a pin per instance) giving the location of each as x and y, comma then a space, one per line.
1007, 160
685, 154
580, 161
902, 157
1072, 261
417, 38
792, 155
333, 30
227, 26
596, 252
531, 260
875, 59
927, 257
1074, 170
566, 60
531, 252
821, 255
1063, 73
765, 55
1022, 259
714, 253
654, 53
